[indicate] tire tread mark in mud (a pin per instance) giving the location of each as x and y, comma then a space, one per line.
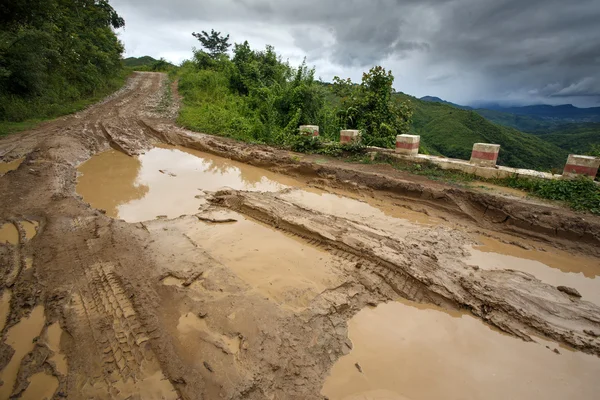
114, 323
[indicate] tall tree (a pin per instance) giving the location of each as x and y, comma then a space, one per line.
215, 44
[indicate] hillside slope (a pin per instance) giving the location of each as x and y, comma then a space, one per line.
576, 138
451, 131
139, 61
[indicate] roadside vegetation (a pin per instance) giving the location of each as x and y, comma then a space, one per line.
56, 57
257, 97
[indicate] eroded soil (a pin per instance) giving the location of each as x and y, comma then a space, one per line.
140, 260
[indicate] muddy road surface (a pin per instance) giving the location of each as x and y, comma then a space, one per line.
143, 261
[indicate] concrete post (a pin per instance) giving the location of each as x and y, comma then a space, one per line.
485, 154
349, 135
309, 130
408, 144
581, 165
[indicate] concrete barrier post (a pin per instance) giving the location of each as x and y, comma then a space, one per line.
309, 130
408, 144
349, 135
581, 165
485, 154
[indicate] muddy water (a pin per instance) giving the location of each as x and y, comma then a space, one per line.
166, 180
20, 338
41, 386
194, 328
53, 336
4, 307
410, 351
282, 268
10, 166
30, 228
552, 266
9, 233
368, 212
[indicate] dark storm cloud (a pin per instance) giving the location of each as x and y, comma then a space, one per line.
520, 50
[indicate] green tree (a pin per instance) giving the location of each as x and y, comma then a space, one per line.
215, 44
54, 52
371, 108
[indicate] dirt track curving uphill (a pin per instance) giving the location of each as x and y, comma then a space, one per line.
249, 295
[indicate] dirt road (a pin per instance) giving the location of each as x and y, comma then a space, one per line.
247, 294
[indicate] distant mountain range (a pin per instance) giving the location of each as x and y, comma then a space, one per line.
561, 113
571, 128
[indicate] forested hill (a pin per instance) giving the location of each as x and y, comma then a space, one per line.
139, 61
450, 131
54, 53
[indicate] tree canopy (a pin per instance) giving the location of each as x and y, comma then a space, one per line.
215, 44
53, 51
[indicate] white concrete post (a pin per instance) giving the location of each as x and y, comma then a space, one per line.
309, 130
581, 165
485, 154
408, 144
349, 135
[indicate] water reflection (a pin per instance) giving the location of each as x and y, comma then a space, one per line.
167, 180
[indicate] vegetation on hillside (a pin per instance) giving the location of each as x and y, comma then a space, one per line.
257, 97
147, 63
55, 55
451, 131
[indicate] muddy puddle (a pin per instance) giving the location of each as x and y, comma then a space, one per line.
20, 337
4, 307
41, 386
10, 166
52, 339
404, 350
282, 268
363, 210
552, 266
9, 233
165, 181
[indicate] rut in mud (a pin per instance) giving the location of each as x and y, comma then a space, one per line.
178, 273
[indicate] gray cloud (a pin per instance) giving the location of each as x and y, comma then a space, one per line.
462, 50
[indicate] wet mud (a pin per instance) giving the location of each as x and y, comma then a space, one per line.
403, 350
143, 261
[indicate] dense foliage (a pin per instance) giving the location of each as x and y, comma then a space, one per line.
256, 96
54, 53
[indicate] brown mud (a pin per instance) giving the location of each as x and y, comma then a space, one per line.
147, 261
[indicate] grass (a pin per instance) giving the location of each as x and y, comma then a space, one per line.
580, 194
58, 110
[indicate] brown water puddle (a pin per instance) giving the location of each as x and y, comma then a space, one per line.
411, 351
42, 386
53, 336
30, 228
4, 307
283, 268
165, 181
378, 215
193, 329
10, 166
20, 338
9, 233
553, 266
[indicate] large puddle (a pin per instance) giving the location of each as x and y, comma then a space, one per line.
555, 267
20, 338
10, 166
166, 181
404, 350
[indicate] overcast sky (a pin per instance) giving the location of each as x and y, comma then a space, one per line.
517, 51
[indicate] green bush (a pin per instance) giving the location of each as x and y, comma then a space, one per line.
581, 194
